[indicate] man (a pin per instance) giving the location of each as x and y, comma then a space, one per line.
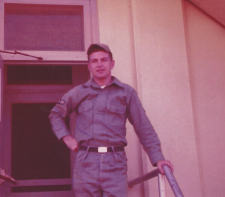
103, 104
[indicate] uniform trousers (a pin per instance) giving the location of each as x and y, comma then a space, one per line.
100, 174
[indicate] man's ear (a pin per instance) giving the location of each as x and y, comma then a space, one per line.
113, 64
89, 66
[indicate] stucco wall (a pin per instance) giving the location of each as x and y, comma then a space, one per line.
148, 40
206, 55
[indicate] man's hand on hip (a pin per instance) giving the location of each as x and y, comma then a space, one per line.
161, 163
71, 142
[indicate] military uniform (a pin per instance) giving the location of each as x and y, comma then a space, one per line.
101, 117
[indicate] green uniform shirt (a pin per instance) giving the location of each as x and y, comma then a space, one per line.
102, 114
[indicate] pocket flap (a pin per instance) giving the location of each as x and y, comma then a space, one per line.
116, 108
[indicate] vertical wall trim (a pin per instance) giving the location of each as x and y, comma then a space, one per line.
1, 91
1, 110
136, 72
199, 163
138, 82
94, 21
1, 25
135, 43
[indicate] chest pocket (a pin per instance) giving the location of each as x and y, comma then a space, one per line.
84, 116
115, 115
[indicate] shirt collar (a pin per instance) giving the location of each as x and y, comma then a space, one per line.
91, 82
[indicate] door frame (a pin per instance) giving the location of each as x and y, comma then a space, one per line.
35, 94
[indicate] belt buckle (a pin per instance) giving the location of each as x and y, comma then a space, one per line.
102, 149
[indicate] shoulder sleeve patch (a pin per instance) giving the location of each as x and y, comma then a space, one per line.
62, 102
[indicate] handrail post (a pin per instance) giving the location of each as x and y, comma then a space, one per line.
162, 185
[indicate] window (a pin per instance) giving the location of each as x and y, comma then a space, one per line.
39, 75
54, 30
43, 27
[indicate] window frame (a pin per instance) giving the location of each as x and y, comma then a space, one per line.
90, 26
26, 88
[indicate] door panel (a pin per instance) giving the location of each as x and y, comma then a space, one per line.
34, 142
39, 162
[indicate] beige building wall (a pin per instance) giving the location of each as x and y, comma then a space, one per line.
148, 40
173, 55
206, 55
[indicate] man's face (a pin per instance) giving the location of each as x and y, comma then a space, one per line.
100, 65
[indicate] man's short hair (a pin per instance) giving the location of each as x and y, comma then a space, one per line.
99, 47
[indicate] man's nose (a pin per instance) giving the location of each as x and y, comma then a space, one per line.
99, 64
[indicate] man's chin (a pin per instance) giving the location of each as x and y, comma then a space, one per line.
101, 78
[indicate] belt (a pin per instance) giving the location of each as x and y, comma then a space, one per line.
101, 149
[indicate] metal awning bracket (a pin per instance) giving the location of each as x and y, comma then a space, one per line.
16, 52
